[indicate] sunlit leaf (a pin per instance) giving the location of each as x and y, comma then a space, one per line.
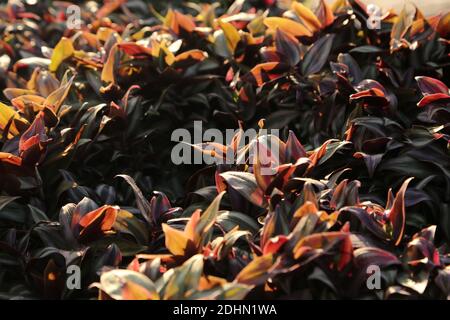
63, 50
287, 25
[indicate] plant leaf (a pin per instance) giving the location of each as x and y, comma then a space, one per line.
317, 55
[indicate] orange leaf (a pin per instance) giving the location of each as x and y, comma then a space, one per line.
109, 7
263, 73
317, 155
57, 97
174, 20
10, 158
307, 208
323, 241
194, 54
189, 230
98, 221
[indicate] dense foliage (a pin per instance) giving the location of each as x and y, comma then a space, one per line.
86, 176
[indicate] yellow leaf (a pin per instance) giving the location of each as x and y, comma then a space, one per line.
141, 33
256, 26
231, 35
104, 33
155, 48
63, 50
133, 291
108, 67
287, 25
12, 93
176, 240
90, 38
169, 56
257, 271
308, 18
6, 113
169, 21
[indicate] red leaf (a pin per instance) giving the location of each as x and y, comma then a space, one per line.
346, 253
274, 244
133, 49
34, 134
431, 98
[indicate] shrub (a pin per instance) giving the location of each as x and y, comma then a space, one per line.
362, 179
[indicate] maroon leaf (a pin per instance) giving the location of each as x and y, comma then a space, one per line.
159, 204
370, 160
374, 256
317, 55
245, 184
294, 149
430, 85
289, 46
141, 202
397, 213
